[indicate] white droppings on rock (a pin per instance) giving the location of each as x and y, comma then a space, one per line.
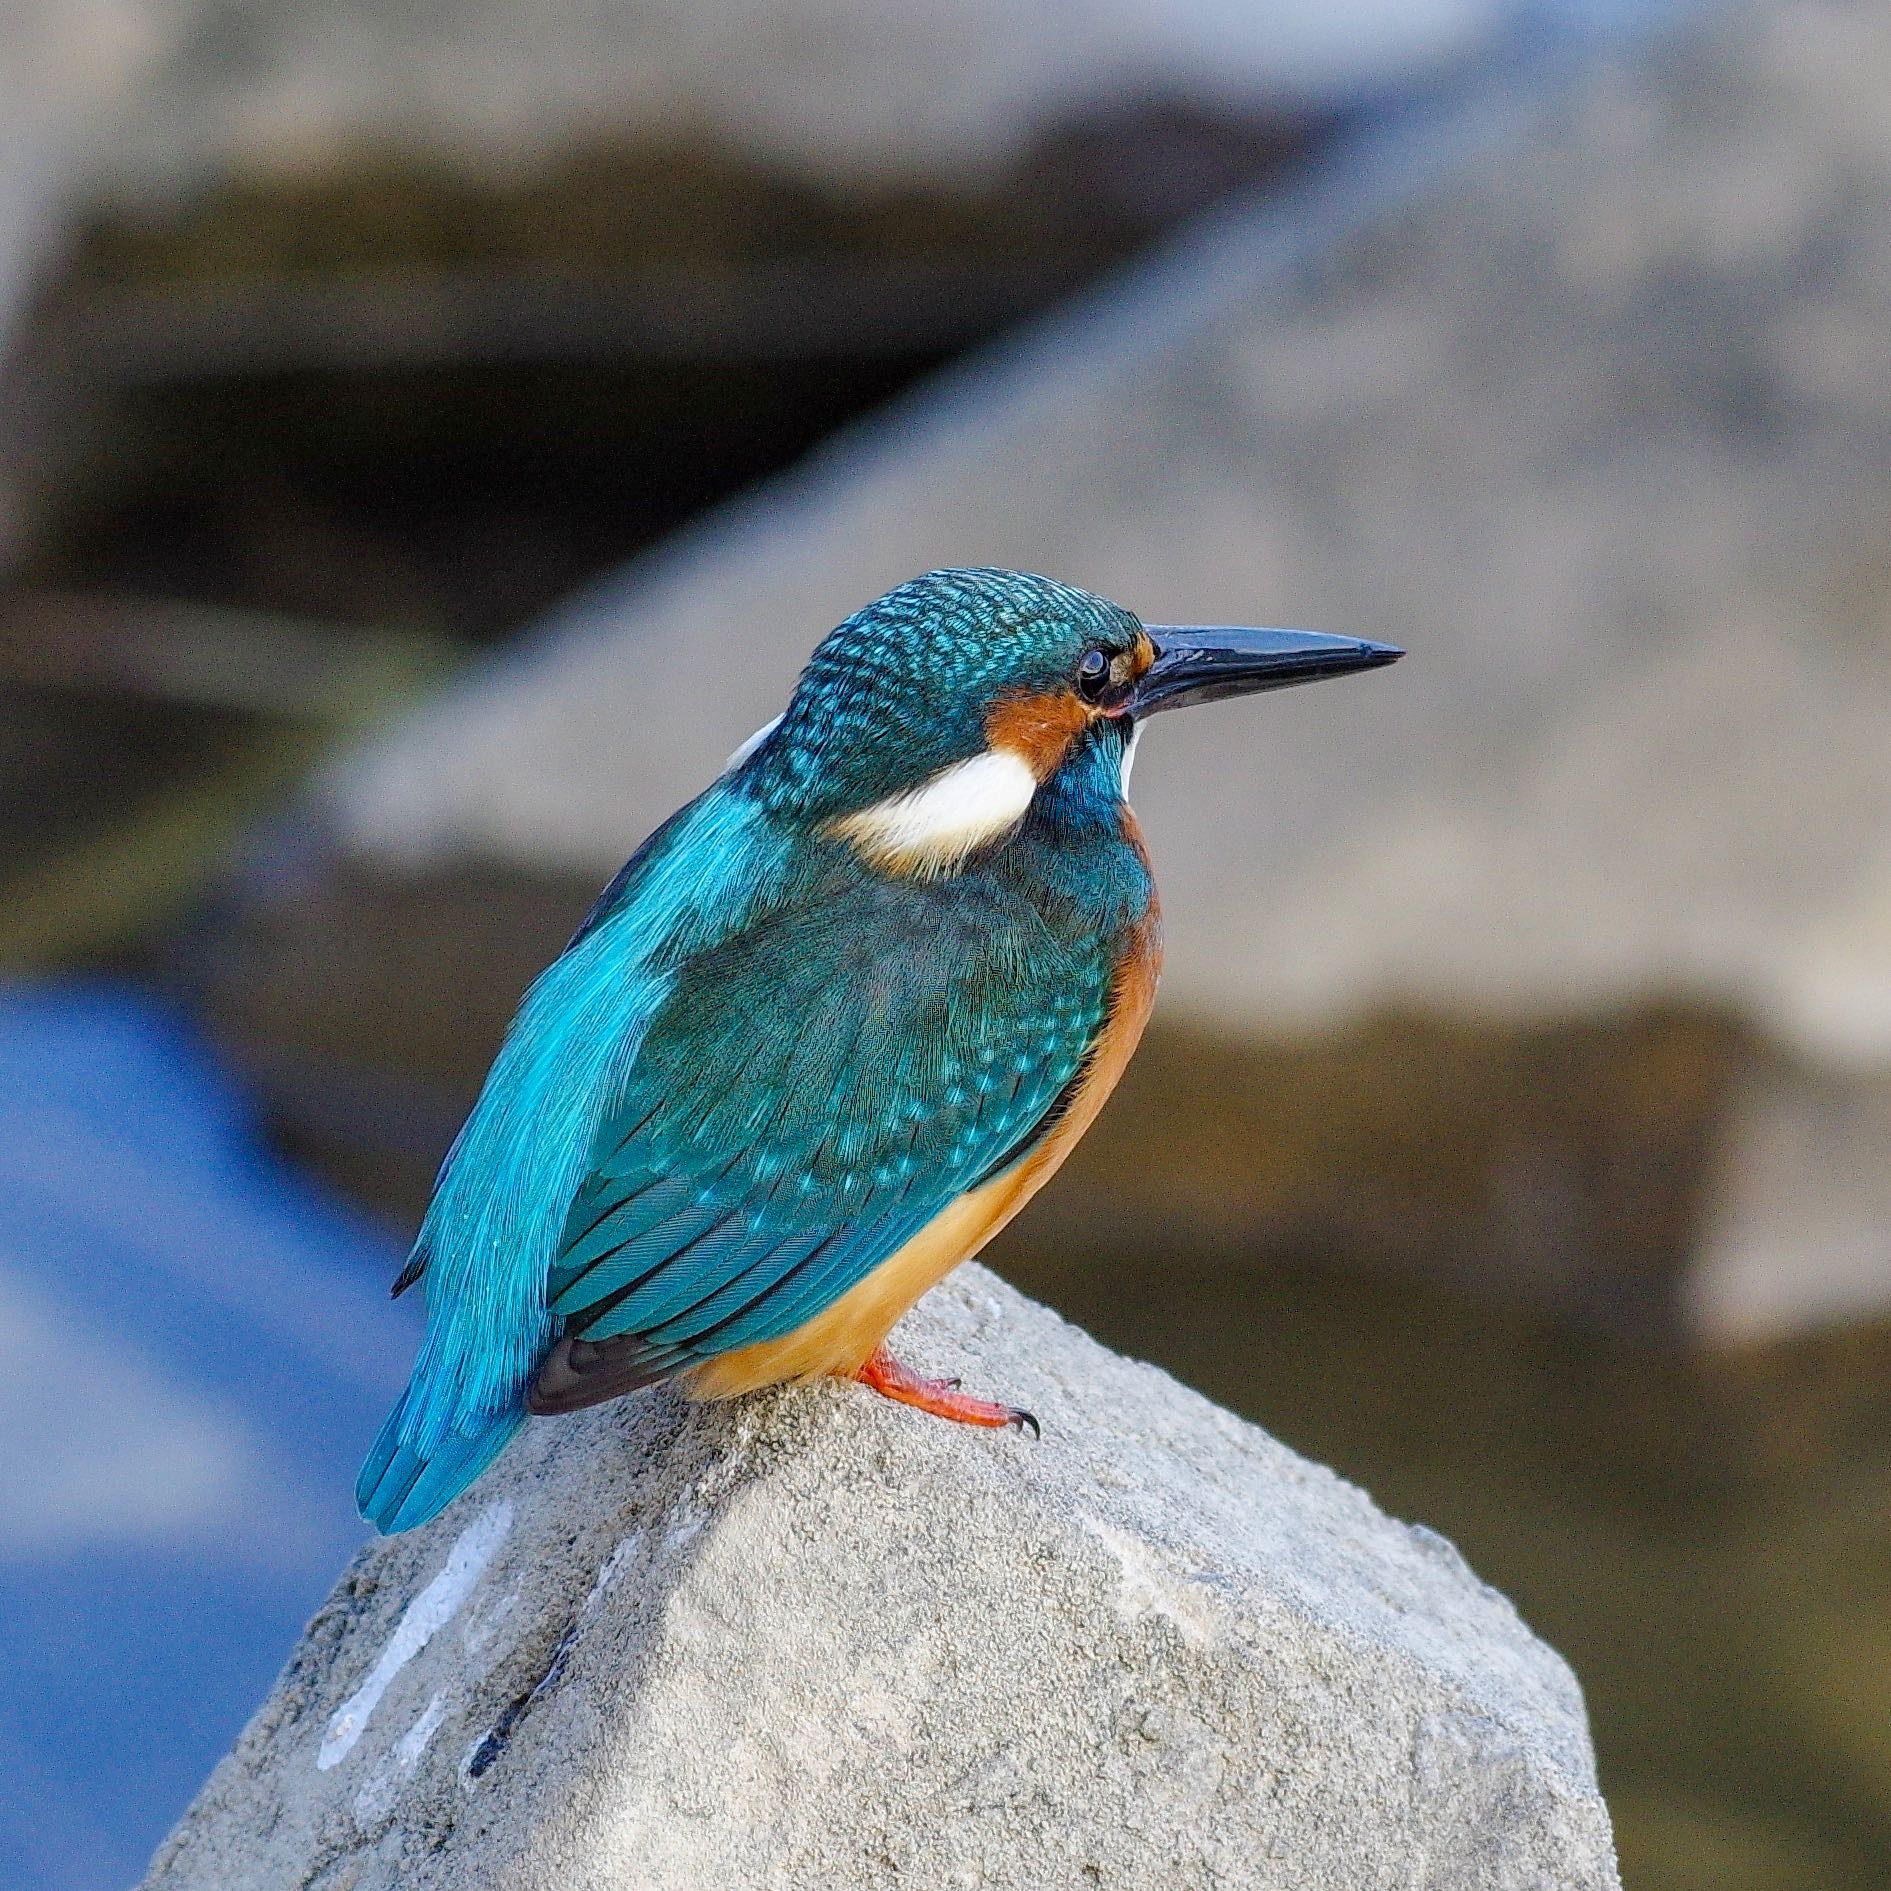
684, 1530
614, 1565
428, 1613
464, 1772
381, 1789
413, 1743
376, 1798
485, 1748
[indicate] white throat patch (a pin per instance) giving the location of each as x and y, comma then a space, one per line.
1129, 756
928, 830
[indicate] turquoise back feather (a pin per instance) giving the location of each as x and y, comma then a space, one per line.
492, 1229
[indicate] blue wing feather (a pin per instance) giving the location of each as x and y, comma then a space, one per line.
823, 1084
623, 1246
500, 1209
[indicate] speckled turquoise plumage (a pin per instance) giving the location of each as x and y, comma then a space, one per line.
761, 1066
491, 1232
813, 1089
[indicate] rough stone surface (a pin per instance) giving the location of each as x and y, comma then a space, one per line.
815, 1639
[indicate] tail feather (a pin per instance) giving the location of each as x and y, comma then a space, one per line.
405, 1482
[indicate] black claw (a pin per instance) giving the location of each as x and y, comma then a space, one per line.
1019, 1420
951, 1385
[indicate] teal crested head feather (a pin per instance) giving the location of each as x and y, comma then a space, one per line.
937, 673
924, 726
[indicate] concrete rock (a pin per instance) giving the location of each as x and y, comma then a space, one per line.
815, 1639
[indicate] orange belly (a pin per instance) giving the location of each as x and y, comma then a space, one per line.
839, 1340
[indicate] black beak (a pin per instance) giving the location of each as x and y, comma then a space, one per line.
1201, 664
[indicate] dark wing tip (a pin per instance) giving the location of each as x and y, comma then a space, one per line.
581, 1372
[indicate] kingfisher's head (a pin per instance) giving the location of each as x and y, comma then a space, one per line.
925, 725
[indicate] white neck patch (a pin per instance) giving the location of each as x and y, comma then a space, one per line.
928, 830
1129, 756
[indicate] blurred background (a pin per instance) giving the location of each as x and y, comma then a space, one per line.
431, 437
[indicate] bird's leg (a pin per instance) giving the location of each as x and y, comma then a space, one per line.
941, 1397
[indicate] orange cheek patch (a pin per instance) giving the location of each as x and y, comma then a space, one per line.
1040, 728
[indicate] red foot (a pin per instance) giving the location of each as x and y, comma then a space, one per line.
941, 1397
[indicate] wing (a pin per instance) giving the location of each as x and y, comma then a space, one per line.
494, 1226
810, 1094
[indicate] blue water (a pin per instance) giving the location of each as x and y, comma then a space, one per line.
195, 1347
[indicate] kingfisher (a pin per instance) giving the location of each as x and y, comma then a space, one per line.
826, 1032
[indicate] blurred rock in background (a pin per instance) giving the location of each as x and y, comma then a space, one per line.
1596, 879
840, 89
226, 203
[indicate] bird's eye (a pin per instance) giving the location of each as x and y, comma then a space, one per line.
1093, 675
